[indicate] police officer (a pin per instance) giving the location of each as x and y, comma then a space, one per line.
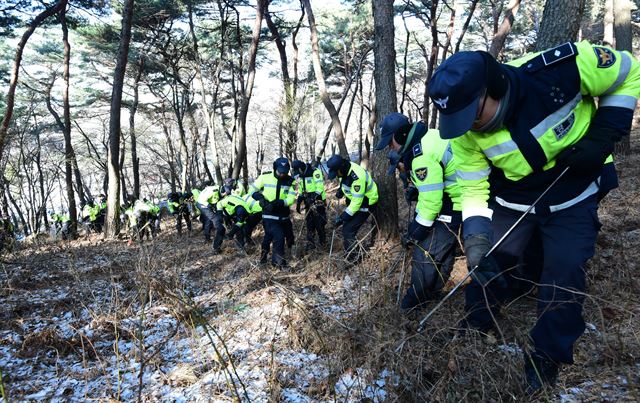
237, 187
237, 209
206, 203
275, 192
515, 128
434, 228
310, 191
178, 205
254, 218
362, 194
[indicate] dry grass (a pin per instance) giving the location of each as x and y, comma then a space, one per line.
347, 316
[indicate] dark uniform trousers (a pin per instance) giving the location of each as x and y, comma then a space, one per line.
276, 231
316, 220
252, 222
350, 228
430, 271
567, 240
209, 217
218, 224
183, 213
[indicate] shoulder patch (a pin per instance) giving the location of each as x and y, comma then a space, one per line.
356, 188
354, 176
551, 56
606, 57
558, 53
417, 150
421, 173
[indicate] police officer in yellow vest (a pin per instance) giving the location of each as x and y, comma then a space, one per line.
275, 192
362, 194
310, 191
206, 202
514, 128
434, 229
254, 218
237, 211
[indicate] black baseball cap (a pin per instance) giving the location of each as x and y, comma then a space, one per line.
456, 89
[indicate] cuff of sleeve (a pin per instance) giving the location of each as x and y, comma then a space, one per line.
477, 211
423, 221
348, 211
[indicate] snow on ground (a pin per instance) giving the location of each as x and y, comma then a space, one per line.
90, 353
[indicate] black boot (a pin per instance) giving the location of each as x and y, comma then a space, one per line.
538, 372
263, 257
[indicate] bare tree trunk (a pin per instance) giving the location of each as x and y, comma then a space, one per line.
465, 26
10, 98
559, 25
384, 75
208, 115
112, 220
135, 161
324, 95
289, 100
623, 39
68, 148
246, 95
609, 18
501, 36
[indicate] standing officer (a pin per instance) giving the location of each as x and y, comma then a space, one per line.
275, 193
515, 128
310, 191
434, 229
362, 192
206, 203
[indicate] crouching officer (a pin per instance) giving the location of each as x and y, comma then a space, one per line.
435, 226
515, 128
206, 202
275, 193
178, 205
310, 191
61, 223
254, 218
236, 209
362, 194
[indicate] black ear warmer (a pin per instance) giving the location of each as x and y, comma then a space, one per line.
400, 136
497, 83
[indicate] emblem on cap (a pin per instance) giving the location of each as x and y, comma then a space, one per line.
442, 102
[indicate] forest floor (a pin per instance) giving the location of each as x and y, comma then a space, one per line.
167, 320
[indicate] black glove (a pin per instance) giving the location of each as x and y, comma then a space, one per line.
277, 203
407, 241
587, 156
299, 203
339, 193
486, 268
233, 232
257, 196
411, 194
263, 202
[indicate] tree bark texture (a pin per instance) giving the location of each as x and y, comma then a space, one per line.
622, 34
246, 95
560, 23
112, 220
386, 102
501, 36
69, 153
322, 87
